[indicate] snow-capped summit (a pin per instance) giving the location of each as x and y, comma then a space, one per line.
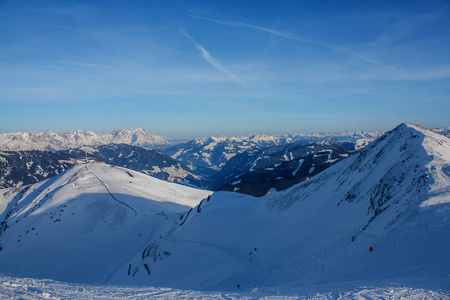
215, 152
50, 141
382, 213
137, 137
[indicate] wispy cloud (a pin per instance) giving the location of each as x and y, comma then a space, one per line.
81, 64
210, 59
302, 39
404, 25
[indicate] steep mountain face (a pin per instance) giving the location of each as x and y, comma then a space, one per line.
215, 152
49, 141
150, 162
382, 213
84, 224
256, 172
27, 167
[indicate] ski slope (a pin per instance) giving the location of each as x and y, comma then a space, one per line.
82, 225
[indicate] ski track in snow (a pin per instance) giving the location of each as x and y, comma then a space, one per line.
109, 191
27, 288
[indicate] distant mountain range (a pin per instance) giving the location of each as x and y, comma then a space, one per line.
256, 172
246, 164
49, 141
214, 152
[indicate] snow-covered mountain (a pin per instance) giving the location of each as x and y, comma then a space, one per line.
84, 224
255, 172
23, 141
381, 214
147, 161
27, 167
214, 152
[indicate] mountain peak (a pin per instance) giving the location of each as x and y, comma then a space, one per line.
424, 130
73, 139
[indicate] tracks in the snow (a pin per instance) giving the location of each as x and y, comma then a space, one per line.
109, 191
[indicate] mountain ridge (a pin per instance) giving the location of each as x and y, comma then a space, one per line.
50, 141
215, 152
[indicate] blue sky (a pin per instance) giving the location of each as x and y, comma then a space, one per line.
199, 68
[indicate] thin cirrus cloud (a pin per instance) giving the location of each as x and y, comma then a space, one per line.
302, 39
80, 64
210, 59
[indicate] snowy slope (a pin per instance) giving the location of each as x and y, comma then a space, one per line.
393, 196
27, 288
214, 152
83, 224
24, 141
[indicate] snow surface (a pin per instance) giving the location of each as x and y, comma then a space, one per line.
300, 162
27, 288
83, 224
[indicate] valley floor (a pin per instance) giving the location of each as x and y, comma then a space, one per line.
27, 288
